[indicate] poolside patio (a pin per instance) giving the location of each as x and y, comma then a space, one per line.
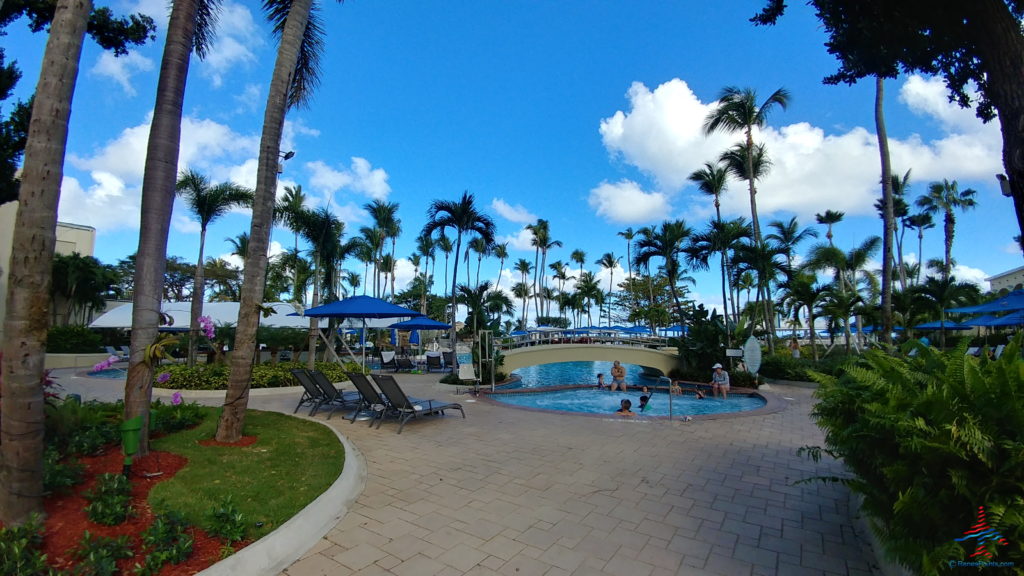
521, 493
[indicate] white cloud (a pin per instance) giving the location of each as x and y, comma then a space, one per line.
274, 249
518, 241
972, 275
237, 35
360, 177
185, 225
661, 134
93, 206
626, 202
121, 68
517, 213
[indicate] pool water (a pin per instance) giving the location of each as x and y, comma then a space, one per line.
594, 401
110, 373
575, 374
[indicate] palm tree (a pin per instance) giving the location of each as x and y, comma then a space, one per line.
629, 234
829, 218
839, 305
945, 197
290, 209
666, 243
444, 244
385, 218
323, 230
190, 28
765, 262
500, 251
521, 290
938, 294
542, 242
712, 179
788, 236
239, 244
589, 293
28, 294
888, 216
738, 111
609, 261
523, 267
560, 272
208, 203
291, 85
748, 165
579, 257
801, 292
720, 238
463, 216
920, 222
480, 247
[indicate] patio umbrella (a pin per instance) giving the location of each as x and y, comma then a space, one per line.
419, 323
1012, 301
980, 320
1015, 319
941, 325
361, 307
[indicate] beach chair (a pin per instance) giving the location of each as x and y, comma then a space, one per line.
466, 374
126, 350
404, 365
387, 359
312, 395
434, 363
973, 351
369, 398
405, 408
121, 357
999, 351
333, 397
449, 360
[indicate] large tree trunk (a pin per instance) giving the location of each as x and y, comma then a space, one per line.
198, 295
161, 172
31, 266
455, 274
1000, 44
888, 220
236, 399
948, 227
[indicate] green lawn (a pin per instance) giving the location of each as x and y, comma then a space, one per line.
291, 464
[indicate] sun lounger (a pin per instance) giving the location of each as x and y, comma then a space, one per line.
333, 397
434, 363
405, 408
466, 374
121, 357
369, 398
387, 359
404, 365
973, 351
312, 396
449, 360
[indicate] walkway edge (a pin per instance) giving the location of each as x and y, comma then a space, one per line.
278, 550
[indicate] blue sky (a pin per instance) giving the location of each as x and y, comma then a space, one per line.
587, 114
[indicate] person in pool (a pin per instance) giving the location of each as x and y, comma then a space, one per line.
600, 380
624, 408
719, 381
618, 376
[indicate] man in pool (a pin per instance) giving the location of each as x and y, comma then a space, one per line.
719, 381
618, 376
624, 408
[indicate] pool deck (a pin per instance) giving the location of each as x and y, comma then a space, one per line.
520, 493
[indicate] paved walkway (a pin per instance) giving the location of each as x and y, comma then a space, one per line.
522, 493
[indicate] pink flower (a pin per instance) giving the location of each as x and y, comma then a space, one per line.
175, 398
163, 377
206, 324
105, 365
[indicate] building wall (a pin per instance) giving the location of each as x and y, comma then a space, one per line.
70, 238
1008, 280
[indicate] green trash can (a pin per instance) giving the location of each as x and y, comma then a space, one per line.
130, 431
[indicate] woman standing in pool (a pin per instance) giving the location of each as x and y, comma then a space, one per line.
618, 376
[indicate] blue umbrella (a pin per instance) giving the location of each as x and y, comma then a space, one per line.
980, 320
941, 325
1012, 301
360, 307
1015, 319
420, 323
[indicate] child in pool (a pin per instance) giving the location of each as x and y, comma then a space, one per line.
624, 409
600, 380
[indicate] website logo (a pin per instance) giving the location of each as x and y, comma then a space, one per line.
982, 533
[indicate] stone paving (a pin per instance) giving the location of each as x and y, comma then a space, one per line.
521, 493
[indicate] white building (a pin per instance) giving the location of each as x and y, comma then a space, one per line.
1010, 280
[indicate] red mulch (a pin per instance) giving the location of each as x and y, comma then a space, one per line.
66, 519
242, 442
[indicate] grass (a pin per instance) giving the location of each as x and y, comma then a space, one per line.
291, 464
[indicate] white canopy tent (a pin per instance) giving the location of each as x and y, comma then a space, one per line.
220, 312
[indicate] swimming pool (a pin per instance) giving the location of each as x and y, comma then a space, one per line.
594, 401
574, 374
109, 373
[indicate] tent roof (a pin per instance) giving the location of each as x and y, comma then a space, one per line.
1012, 301
219, 312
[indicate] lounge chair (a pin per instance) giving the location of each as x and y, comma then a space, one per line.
369, 398
999, 351
434, 363
449, 360
404, 365
121, 357
467, 374
126, 350
312, 395
387, 359
405, 408
973, 351
333, 397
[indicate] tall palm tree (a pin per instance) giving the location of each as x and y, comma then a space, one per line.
500, 251
946, 198
560, 272
712, 179
801, 292
579, 257
629, 234
788, 236
28, 293
523, 267
479, 247
239, 244
888, 212
295, 76
521, 290
748, 165
666, 242
385, 218
766, 262
829, 218
938, 294
463, 216
609, 261
720, 238
920, 222
739, 111
323, 230
290, 209
444, 244
542, 242
589, 293
190, 28
207, 202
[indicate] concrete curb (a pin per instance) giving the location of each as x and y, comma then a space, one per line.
278, 550
207, 394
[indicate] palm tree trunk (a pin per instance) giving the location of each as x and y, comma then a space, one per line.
810, 324
314, 323
455, 274
30, 270
198, 295
888, 219
232, 419
949, 225
161, 172
725, 304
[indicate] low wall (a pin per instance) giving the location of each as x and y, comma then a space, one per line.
56, 361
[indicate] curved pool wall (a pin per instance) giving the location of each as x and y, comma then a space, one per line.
576, 374
603, 402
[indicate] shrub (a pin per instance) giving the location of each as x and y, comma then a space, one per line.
215, 376
82, 429
98, 555
109, 500
73, 340
21, 550
167, 418
167, 540
59, 474
225, 521
930, 439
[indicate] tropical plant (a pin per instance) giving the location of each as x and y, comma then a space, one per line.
739, 111
946, 198
609, 261
828, 219
666, 243
80, 287
462, 216
789, 235
589, 293
500, 251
